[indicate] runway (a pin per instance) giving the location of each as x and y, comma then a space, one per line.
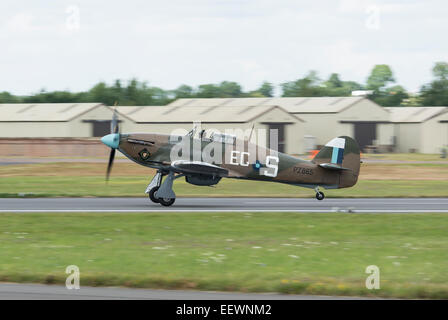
13, 291
121, 205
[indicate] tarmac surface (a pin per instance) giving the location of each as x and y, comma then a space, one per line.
354, 205
13, 291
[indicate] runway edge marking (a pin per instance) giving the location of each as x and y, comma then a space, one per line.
219, 210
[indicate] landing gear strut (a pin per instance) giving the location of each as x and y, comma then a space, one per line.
153, 186
163, 201
160, 192
151, 195
319, 194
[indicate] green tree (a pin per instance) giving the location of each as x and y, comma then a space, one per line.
380, 76
436, 92
440, 70
54, 97
159, 96
334, 81
208, 91
117, 93
132, 93
6, 97
266, 89
183, 91
413, 100
146, 96
335, 87
393, 96
100, 93
229, 89
352, 85
378, 81
309, 86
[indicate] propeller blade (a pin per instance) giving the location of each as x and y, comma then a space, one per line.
114, 123
111, 162
114, 128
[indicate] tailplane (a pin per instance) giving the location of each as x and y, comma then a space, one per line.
342, 154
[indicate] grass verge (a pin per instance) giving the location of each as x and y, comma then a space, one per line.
249, 252
94, 186
405, 156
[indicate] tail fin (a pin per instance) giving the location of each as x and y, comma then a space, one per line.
341, 153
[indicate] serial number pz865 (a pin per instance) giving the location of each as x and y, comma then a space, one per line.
301, 170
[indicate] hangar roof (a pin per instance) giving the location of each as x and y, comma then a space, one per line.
175, 113
415, 114
43, 112
290, 104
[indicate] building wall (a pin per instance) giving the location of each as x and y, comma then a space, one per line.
34, 129
293, 131
408, 137
425, 137
322, 126
75, 128
366, 110
295, 137
81, 129
326, 126
385, 133
51, 147
434, 135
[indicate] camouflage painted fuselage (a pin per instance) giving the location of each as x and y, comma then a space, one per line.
250, 162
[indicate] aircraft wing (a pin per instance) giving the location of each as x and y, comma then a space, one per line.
199, 167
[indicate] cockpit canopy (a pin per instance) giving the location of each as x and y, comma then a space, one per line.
222, 137
211, 135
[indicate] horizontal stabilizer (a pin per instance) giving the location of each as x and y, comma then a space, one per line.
332, 166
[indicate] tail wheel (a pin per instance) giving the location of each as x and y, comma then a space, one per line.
152, 195
320, 195
166, 202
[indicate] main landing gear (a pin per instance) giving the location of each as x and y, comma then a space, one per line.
319, 194
162, 193
163, 201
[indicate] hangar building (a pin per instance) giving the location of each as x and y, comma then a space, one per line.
165, 119
302, 123
420, 129
55, 120
325, 117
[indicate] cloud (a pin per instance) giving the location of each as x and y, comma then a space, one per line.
20, 22
209, 41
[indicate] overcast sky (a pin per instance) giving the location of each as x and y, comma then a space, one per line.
72, 45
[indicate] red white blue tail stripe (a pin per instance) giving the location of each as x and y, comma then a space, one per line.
338, 145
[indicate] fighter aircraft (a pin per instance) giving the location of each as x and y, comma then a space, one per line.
205, 160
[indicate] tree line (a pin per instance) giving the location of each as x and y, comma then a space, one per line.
380, 84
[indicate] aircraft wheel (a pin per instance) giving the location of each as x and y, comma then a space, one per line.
166, 202
152, 195
320, 196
